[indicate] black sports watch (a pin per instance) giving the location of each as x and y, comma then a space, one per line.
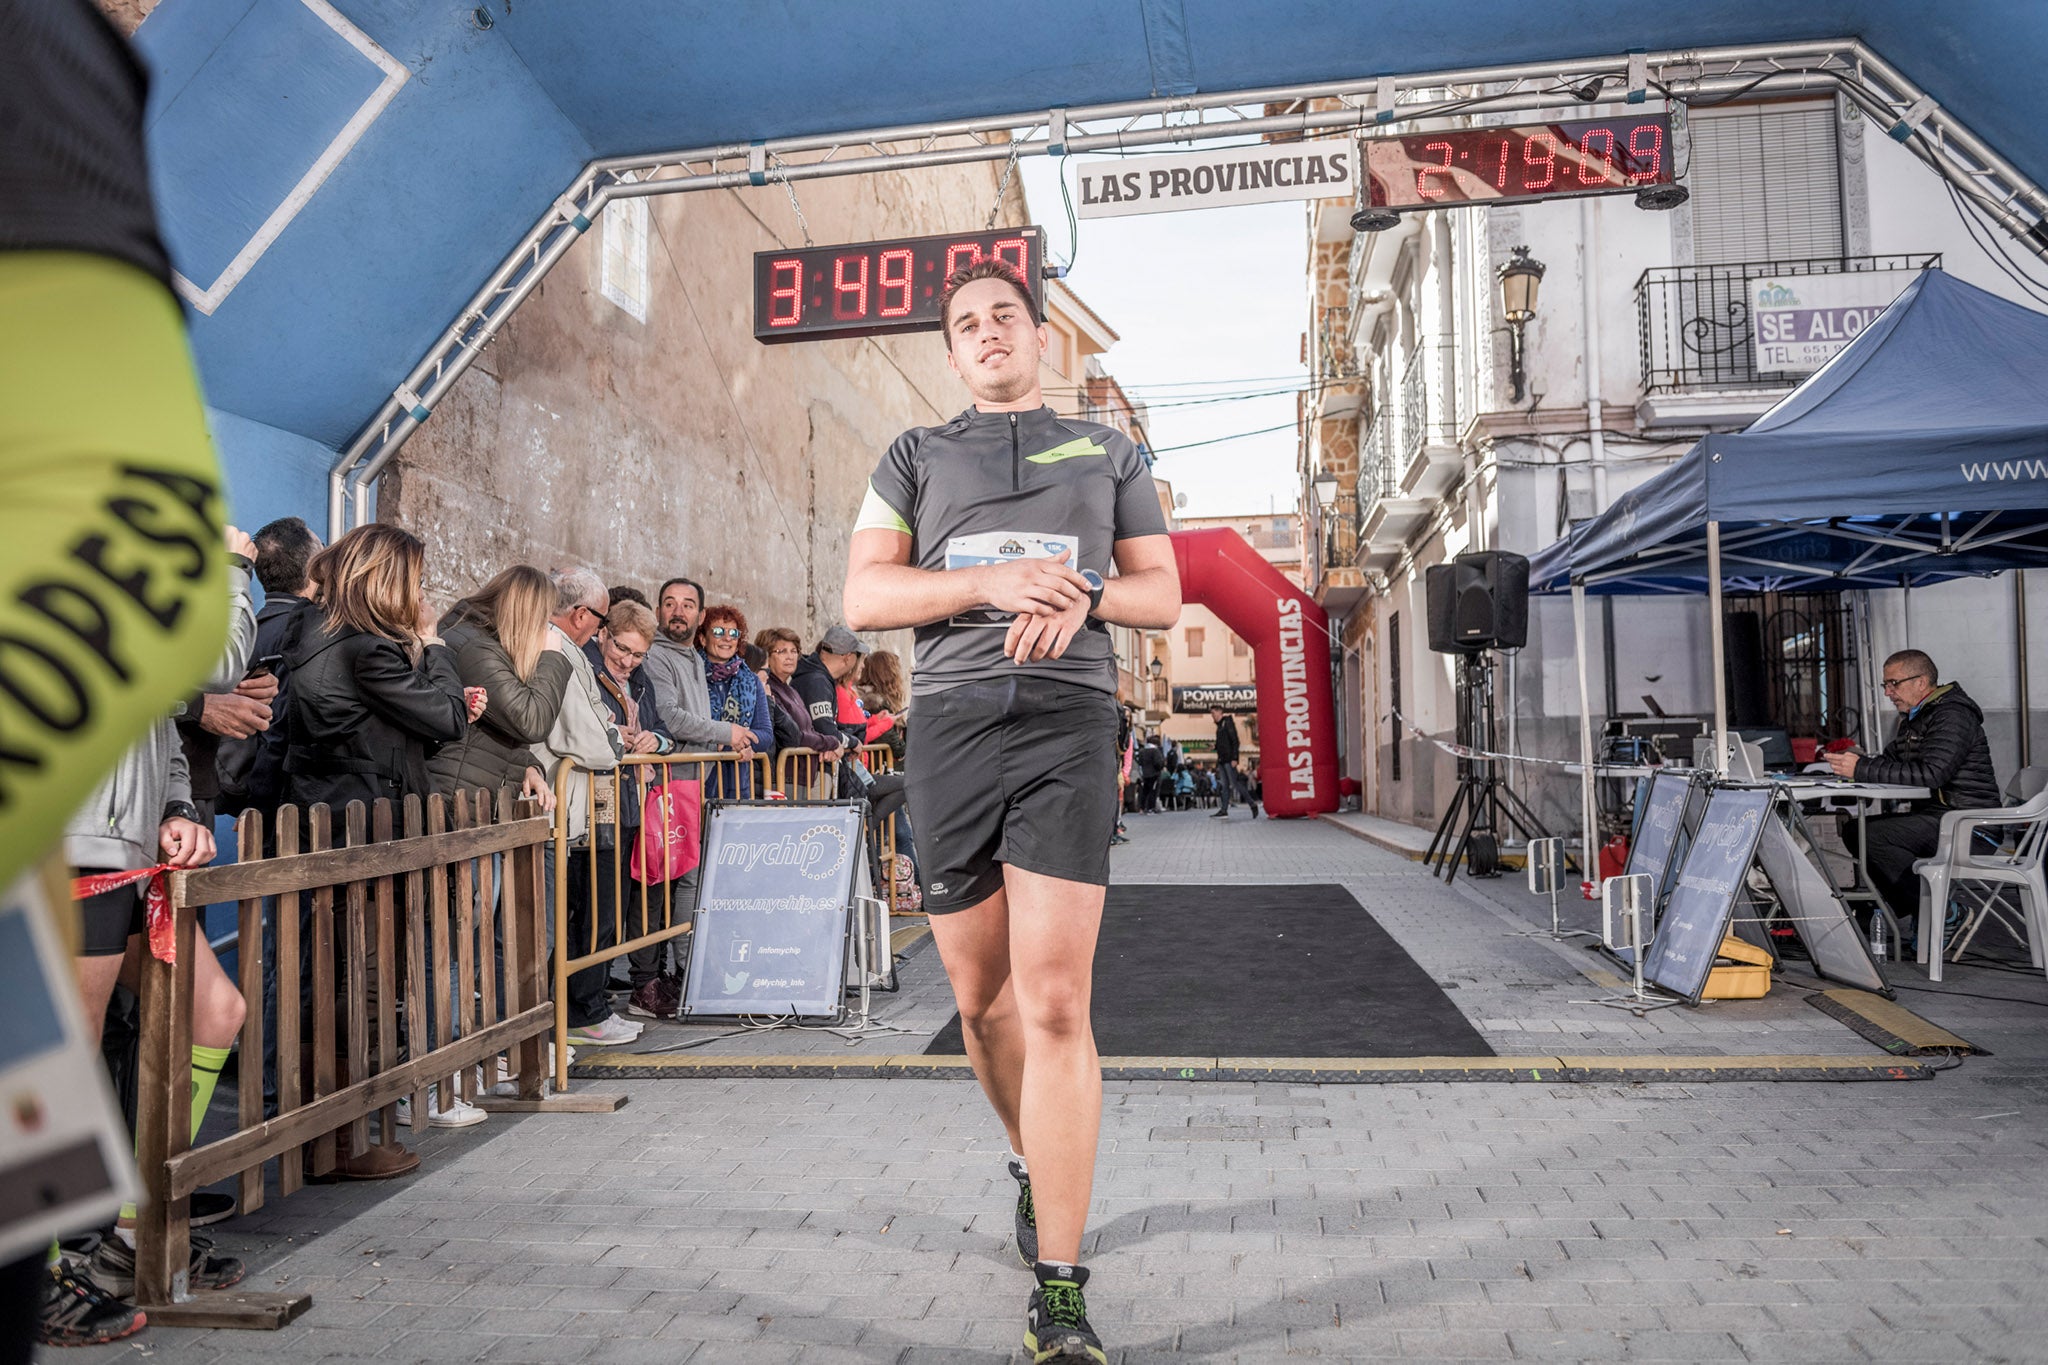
180, 810
1094, 590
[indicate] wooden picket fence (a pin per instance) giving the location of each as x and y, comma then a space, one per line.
387, 916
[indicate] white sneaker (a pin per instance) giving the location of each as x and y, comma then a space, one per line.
612, 1032
457, 1115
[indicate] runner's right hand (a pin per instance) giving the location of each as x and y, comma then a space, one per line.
1038, 587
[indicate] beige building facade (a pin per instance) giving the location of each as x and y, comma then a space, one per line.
628, 421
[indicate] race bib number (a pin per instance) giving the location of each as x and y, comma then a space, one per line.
998, 547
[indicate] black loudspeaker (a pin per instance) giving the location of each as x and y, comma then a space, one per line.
1478, 601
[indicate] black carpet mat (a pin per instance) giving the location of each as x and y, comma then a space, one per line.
1258, 971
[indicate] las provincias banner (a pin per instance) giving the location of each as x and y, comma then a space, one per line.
1218, 178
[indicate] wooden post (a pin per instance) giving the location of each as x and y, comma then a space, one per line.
321, 828
418, 1010
249, 957
488, 932
358, 962
388, 986
466, 817
441, 1007
163, 1117
291, 1168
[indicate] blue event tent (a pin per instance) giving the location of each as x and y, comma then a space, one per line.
1920, 452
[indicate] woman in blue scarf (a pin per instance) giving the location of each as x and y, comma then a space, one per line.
736, 693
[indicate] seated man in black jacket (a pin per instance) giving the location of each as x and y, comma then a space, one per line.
1940, 746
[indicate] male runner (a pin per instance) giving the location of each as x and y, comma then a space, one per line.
994, 535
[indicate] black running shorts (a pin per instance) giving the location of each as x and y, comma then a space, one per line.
111, 916
1019, 771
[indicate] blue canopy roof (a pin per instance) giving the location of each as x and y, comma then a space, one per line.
1920, 452
340, 176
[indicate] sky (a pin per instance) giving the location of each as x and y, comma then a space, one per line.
1209, 305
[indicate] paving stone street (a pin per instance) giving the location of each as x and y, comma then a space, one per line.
869, 1220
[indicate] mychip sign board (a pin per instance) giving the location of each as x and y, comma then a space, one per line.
771, 921
1798, 322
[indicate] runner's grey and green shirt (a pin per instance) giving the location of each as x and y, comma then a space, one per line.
992, 486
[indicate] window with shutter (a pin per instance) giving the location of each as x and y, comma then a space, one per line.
1766, 184
622, 269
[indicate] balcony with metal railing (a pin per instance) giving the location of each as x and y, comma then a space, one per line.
1696, 336
1387, 512
1427, 447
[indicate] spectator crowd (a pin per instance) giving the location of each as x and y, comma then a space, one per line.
347, 685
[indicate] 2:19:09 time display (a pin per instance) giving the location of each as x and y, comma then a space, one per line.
1537, 161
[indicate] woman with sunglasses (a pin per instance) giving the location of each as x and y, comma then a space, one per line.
737, 696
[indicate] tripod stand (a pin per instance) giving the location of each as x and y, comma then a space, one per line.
1482, 799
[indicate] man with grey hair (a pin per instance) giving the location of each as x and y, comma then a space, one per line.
1940, 745
584, 740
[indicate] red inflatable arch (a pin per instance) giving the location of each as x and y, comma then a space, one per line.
1289, 636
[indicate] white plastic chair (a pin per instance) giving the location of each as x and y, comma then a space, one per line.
1980, 878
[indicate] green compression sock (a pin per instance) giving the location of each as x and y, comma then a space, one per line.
206, 1068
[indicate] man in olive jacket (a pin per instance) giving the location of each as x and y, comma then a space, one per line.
1940, 746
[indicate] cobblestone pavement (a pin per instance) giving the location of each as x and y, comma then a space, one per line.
776, 1220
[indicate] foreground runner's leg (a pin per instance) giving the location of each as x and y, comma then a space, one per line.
975, 946
1053, 927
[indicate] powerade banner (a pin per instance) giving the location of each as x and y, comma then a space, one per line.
772, 907
1200, 698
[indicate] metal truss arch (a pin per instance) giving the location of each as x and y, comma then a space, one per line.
1377, 102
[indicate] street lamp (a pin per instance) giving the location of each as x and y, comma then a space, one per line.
1158, 668
1325, 486
1519, 278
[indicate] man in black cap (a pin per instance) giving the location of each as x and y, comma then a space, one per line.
819, 673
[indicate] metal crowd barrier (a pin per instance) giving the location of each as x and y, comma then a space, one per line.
379, 921
598, 822
658, 910
807, 775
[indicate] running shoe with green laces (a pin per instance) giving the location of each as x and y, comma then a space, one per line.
77, 1311
113, 1265
1027, 1215
1056, 1320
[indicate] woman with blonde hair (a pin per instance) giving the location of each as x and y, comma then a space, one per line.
374, 687
882, 693
500, 635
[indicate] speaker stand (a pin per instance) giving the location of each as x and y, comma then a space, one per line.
1483, 804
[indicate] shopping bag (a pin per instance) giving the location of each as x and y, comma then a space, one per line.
669, 824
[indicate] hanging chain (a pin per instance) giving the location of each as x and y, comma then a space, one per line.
1003, 185
790, 190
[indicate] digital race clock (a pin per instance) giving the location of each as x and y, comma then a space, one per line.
869, 288
1535, 161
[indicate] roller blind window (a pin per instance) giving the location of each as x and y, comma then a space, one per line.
1766, 185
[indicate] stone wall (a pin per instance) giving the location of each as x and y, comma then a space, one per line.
680, 445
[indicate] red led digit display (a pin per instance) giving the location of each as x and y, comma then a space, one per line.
1537, 161
869, 288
